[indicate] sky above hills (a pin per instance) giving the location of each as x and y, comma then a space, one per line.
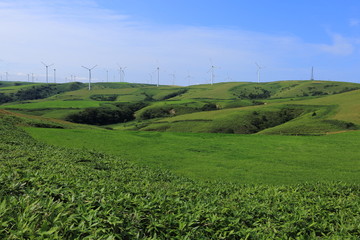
183, 38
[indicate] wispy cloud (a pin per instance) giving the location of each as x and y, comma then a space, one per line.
354, 22
340, 46
75, 33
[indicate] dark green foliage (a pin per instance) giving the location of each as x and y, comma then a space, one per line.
251, 93
104, 97
174, 94
155, 113
258, 121
4, 98
165, 111
48, 192
39, 92
209, 107
341, 124
116, 113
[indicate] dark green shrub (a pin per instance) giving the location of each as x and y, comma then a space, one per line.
116, 113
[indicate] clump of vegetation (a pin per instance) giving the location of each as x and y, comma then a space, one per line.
58, 193
110, 114
209, 107
104, 97
39, 92
251, 93
256, 121
166, 110
174, 94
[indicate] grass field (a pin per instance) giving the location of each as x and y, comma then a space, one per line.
50, 192
246, 159
89, 183
53, 105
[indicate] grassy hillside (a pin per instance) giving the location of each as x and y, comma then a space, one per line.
286, 107
59, 193
244, 159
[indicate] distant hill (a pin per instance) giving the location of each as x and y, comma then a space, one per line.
284, 107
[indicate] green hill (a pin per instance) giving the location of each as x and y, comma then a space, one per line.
285, 107
62, 180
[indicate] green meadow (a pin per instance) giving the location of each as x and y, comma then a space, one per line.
247, 159
276, 160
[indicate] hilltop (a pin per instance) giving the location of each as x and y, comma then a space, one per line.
284, 107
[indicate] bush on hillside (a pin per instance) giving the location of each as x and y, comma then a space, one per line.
39, 92
116, 113
104, 97
256, 121
5, 98
174, 94
165, 111
209, 107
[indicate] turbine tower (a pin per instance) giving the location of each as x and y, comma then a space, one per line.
151, 77
173, 78
47, 71
158, 76
258, 71
312, 74
54, 75
121, 73
89, 69
188, 77
212, 70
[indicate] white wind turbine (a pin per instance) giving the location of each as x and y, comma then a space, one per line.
258, 71
122, 73
158, 76
173, 75
212, 70
47, 71
89, 69
188, 77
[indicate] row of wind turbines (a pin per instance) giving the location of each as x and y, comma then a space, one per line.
157, 71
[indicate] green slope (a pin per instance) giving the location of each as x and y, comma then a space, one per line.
320, 106
50, 192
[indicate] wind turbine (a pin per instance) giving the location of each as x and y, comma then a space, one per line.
212, 68
258, 71
173, 78
89, 69
228, 78
47, 71
54, 75
312, 74
151, 77
188, 77
158, 76
121, 73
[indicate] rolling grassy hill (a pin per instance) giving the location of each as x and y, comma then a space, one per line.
286, 107
63, 180
50, 192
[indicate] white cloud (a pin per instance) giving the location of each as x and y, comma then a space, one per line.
354, 22
341, 46
75, 33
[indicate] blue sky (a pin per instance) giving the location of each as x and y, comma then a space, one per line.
184, 38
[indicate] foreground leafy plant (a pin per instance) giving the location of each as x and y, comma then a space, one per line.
52, 192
